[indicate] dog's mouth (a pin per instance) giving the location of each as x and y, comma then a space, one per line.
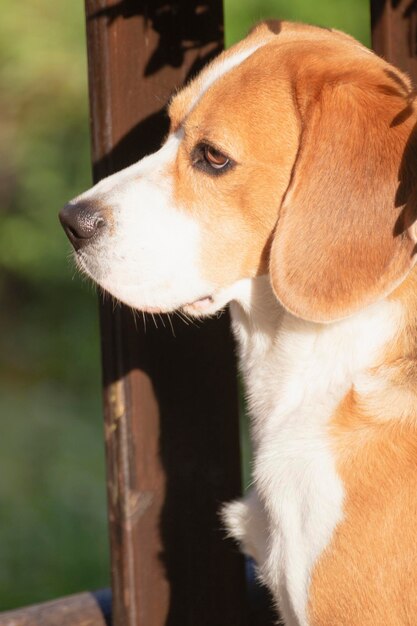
202, 306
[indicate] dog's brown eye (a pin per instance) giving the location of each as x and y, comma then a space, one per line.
210, 160
215, 158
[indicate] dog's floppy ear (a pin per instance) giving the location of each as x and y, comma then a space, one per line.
345, 235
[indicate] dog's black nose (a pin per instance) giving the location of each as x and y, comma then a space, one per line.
81, 222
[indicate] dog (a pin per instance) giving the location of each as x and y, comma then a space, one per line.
286, 188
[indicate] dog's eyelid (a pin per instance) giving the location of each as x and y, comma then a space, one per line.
206, 145
214, 146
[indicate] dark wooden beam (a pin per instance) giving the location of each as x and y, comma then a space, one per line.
92, 609
394, 33
171, 419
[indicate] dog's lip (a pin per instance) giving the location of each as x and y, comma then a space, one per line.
199, 305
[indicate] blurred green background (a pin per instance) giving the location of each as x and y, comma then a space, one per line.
53, 529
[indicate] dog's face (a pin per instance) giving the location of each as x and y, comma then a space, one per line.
261, 172
185, 224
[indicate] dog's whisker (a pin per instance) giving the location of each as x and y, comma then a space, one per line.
171, 324
135, 314
162, 319
181, 317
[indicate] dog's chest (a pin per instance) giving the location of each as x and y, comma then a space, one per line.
296, 374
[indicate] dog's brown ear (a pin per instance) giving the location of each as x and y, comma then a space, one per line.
345, 234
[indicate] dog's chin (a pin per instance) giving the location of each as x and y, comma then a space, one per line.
203, 306
200, 307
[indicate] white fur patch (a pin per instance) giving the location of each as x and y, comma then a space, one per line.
296, 374
245, 521
220, 67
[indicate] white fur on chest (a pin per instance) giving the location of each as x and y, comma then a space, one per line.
296, 373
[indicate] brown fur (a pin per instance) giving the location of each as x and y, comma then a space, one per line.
368, 573
342, 238
239, 209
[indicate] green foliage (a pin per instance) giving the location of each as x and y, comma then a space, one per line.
52, 488
352, 16
53, 527
52, 504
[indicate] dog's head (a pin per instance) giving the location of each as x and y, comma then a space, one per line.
293, 153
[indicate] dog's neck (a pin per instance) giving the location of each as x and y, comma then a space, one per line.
300, 371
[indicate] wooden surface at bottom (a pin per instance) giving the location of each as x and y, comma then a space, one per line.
83, 609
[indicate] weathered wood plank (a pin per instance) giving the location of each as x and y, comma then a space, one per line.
84, 609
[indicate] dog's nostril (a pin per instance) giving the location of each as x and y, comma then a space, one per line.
70, 231
81, 222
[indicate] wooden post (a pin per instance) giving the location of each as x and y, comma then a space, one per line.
394, 33
171, 419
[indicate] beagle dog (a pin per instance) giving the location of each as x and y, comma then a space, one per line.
287, 188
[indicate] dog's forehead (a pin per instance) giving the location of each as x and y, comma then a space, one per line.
266, 35
187, 99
